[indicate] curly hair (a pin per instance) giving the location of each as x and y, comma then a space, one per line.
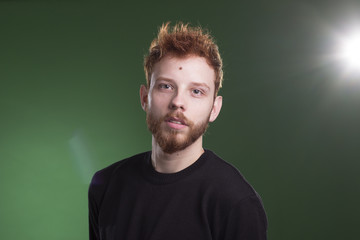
182, 40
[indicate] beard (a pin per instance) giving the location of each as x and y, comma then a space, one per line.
172, 140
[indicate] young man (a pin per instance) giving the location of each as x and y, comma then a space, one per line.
178, 190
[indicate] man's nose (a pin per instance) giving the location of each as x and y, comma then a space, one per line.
178, 101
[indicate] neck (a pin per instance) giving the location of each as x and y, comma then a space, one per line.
177, 161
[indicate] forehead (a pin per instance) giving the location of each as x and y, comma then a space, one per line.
184, 70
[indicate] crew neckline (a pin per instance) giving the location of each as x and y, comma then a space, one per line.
166, 178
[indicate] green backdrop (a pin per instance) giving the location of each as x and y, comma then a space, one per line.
70, 73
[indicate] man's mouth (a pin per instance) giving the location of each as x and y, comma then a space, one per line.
176, 123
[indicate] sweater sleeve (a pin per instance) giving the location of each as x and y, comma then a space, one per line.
246, 220
93, 218
95, 195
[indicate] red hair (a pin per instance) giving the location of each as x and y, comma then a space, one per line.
181, 41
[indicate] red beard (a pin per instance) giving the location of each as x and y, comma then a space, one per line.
169, 139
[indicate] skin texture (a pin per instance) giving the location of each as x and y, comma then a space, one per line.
179, 104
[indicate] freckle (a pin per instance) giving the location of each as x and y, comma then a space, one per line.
180, 68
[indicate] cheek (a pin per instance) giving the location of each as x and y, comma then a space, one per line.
202, 111
157, 103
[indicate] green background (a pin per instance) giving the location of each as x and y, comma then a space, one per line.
70, 73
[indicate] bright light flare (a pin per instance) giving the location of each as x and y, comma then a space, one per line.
350, 51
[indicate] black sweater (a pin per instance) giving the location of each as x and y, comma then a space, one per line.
210, 199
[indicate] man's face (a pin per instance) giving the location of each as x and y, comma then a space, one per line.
180, 103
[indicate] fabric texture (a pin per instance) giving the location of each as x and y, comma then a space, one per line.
130, 200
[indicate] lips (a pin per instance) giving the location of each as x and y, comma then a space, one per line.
176, 121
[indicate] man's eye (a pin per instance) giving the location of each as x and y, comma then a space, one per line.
165, 86
197, 92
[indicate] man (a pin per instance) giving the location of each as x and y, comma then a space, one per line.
178, 190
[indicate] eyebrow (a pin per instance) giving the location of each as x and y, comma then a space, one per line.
163, 79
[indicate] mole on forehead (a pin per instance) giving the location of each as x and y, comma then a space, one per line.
180, 68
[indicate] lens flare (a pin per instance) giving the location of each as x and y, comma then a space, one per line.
350, 51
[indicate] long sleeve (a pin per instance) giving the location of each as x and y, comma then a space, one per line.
95, 195
246, 220
93, 218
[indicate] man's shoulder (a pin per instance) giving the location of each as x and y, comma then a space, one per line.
103, 176
234, 193
227, 179
224, 169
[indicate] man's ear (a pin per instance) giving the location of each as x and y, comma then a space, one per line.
216, 108
144, 97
